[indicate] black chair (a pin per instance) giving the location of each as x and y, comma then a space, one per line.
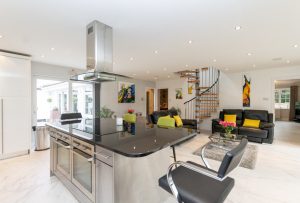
193, 183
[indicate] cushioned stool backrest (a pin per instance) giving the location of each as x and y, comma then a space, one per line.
232, 159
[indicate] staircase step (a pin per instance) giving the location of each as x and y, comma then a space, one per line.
193, 81
206, 99
206, 106
204, 69
202, 117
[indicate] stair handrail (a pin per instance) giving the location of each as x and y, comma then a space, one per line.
207, 90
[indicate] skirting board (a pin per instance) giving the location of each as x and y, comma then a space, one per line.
15, 154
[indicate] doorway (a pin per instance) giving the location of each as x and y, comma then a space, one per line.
163, 99
149, 101
287, 100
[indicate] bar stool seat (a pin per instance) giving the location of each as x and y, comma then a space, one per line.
194, 187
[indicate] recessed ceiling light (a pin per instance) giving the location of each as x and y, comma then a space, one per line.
237, 27
43, 56
296, 45
52, 49
169, 76
165, 69
155, 78
131, 59
227, 69
186, 65
156, 52
114, 63
134, 74
253, 65
288, 61
249, 54
215, 60
1, 36
190, 41
148, 72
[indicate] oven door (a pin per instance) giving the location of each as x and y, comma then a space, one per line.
83, 172
62, 160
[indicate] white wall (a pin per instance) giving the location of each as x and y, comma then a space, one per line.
262, 87
109, 96
171, 85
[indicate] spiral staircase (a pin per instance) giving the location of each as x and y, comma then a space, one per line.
205, 82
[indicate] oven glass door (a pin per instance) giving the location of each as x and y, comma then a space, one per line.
63, 160
83, 172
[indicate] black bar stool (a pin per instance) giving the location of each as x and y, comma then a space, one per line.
193, 183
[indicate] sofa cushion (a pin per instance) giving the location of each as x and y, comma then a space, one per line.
237, 112
166, 121
157, 114
253, 132
178, 121
172, 112
251, 123
230, 118
257, 115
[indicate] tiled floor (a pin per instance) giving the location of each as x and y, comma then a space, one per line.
276, 177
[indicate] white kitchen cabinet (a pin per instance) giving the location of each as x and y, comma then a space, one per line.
15, 105
15, 127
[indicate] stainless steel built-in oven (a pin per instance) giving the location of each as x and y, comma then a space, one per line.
61, 145
83, 167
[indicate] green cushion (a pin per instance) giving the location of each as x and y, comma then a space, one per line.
166, 122
130, 118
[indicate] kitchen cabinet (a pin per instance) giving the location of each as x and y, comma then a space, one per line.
15, 105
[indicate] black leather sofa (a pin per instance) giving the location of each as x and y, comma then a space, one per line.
263, 134
187, 123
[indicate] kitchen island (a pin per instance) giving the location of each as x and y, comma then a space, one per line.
101, 162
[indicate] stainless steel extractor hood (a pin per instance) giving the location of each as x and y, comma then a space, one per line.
99, 53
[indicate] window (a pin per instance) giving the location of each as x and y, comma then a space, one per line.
82, 99
52, 99
282, 98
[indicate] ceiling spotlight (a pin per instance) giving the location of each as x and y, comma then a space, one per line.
148, 72
186, 65
155, 78
114, 63
227, 69
165, 69
1, 36
288, 61
296, 45
237, 27
131, 59
134, 74
249, 54
43, 56
169, 76
52, 49
156, 52
253, 65
190, 41
215, 60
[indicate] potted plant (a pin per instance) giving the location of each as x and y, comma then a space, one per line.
228, 127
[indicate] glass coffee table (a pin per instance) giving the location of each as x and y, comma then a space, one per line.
219, 141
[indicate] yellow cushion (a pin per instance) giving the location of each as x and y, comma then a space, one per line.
166, 121
178, 121
251, 123
230, 118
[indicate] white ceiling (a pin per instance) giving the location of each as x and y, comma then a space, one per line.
270, 29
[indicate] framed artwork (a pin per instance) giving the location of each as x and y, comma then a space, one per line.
246, 92
178, 92
126, 92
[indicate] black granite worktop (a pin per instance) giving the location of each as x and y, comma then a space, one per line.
132, 140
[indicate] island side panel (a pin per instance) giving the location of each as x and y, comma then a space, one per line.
136, 179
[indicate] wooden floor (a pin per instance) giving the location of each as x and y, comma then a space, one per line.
275, 179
